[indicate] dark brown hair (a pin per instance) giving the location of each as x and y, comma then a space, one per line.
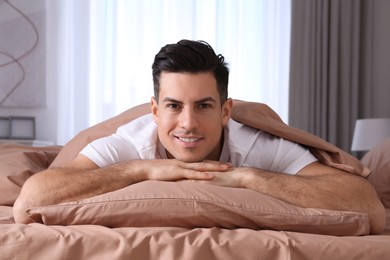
192, 57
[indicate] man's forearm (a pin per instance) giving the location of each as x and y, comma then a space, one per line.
57, 185
335, 191
302, 191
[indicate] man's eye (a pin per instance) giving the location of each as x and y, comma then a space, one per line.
173, 106
204, 105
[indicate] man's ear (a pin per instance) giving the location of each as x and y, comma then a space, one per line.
154, 108
227, 111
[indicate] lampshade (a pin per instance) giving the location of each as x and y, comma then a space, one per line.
369, 132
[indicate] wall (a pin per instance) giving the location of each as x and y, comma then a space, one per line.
46, 117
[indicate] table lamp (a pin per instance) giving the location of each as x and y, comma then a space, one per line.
370, 132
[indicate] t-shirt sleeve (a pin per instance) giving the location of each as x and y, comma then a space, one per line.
293, 158
110, 150
279, 155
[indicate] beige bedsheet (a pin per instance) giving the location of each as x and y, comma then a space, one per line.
38, 241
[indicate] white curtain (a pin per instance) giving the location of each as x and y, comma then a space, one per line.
106, 49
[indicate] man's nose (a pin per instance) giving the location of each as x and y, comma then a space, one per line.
188, 119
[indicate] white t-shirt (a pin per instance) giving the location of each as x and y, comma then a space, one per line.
243, 147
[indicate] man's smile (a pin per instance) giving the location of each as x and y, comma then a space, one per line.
188, 140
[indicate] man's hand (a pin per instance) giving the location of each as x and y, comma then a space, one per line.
172, 170
233, 177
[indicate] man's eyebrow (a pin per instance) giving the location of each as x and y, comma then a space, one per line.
206, 99
168, 99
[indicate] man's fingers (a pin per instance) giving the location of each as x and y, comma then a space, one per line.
209, 166
204, 170
176, 170
197, 175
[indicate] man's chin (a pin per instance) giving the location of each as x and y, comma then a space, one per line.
190, 159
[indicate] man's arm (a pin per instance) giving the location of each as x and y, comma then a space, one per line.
85, 179
315, 186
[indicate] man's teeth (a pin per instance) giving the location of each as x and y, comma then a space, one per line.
188, 140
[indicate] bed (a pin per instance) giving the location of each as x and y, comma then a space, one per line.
168, 220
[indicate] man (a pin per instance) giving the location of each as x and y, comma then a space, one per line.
190, 137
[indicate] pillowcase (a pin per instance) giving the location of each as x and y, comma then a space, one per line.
378, 160
17, 164
191, 205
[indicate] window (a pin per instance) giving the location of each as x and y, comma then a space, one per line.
123, 36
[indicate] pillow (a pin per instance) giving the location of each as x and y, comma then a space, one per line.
378, 160
17, 164
191, 205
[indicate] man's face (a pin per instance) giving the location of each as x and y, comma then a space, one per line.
189, 116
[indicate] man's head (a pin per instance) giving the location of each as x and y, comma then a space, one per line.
190, 106
192, 57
